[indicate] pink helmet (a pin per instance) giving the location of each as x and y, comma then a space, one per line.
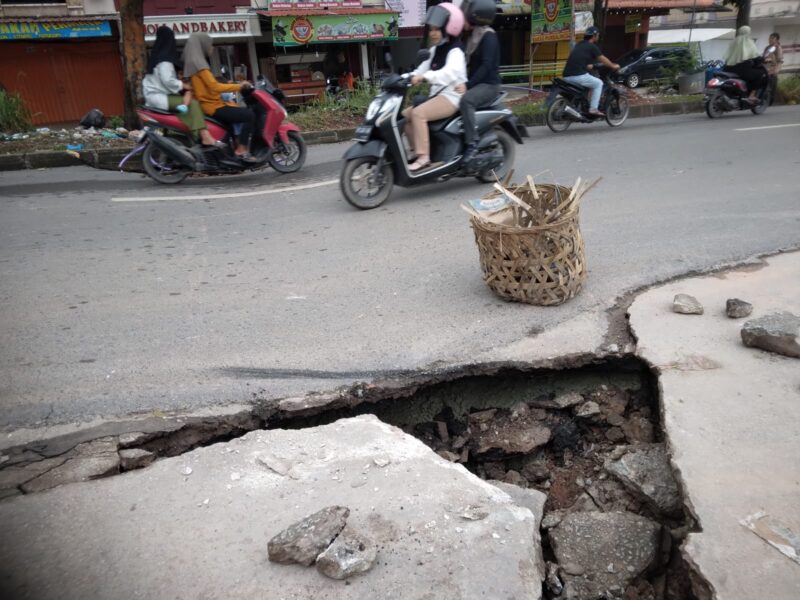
446, 16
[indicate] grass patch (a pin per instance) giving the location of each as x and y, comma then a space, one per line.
14, 115
789, 89
529, 113
336, 112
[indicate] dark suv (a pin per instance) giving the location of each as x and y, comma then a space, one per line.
644, 64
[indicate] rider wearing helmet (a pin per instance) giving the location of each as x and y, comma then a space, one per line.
483, 67
444, 69
580, 61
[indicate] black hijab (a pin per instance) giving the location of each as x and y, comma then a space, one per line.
164, 49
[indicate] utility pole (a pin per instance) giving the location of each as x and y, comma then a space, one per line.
131, 13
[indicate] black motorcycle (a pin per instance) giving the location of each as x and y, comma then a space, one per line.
568, 103
378, 160
726, 92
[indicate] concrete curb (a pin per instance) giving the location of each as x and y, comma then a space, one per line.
108, 158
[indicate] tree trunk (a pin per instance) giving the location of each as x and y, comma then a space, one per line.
134, 56
743, 16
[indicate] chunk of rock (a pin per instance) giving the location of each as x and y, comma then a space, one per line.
559, 401
638, 429
133, 438
552, 580
135, 458
587, 409
274, 463
351, 553
686, 305
625, 542
505, 435
738, 309
778, 332
305, 540
533, 500
646, 472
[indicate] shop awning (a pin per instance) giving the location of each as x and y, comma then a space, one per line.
681, 36
55, 28
337, 25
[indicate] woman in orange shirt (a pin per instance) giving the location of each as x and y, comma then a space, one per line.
207, 90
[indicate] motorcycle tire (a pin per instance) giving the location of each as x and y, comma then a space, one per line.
509, 152
617, 111
161, 168
762, 106
554, 117
289, 157
360, 171
713, 109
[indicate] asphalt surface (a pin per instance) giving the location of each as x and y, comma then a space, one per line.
115, 303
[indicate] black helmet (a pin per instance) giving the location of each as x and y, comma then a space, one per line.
591, 32
480, 12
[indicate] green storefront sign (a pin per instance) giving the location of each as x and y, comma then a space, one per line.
550, 20
300, 30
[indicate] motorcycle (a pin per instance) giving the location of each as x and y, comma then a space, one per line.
378, 159
568, 103
726, 92
170, 155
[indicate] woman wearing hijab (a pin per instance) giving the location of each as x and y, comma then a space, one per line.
739, 60
163, 90
207, 90
444, 70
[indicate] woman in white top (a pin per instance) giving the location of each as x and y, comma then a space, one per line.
444, 70
163, 90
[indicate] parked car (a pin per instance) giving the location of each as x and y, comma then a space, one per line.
643, 64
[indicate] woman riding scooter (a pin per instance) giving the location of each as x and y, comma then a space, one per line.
207, 90
444, 70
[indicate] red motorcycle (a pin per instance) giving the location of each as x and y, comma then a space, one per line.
170, 154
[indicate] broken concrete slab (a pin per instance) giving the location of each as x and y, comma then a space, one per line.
646, 472
135, 458
304, 541
213, 530
80, 468
506, 435
731, 430
686, 305
610, 550
778, 332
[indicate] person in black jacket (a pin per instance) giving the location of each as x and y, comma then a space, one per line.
483, 68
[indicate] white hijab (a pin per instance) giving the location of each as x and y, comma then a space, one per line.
742, 48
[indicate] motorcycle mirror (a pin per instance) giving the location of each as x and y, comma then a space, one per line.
423, 55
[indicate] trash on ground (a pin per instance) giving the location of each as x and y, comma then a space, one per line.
775, 534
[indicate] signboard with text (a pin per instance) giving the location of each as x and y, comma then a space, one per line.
550, 20
313, 4
412, 12
217, 26
300, 30
35, 30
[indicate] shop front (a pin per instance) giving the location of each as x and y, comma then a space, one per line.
62, 66
339, 42
234, 37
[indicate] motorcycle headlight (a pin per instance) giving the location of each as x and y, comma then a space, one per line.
373, 109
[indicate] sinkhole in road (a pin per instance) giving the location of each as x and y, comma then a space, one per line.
587, 434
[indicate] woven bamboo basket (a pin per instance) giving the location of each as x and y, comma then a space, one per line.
540, 259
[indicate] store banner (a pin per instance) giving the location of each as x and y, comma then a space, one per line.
550, 20
312, 29
217, 26
515, 7
54, 30
412, 12
314, 4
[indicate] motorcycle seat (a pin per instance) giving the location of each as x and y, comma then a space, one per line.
727, 75
158, 111
569, 86
434, 126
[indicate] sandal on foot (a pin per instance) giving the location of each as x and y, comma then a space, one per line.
247, 158
419, 164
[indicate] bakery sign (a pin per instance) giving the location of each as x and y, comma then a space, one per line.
217, 26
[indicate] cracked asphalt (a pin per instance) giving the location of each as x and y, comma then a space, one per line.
114, 305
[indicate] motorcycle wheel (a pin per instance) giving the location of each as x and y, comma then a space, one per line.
617, 111
364, 187
713, 109
762, 106
500, 171
555, 115
289, 157
161, 168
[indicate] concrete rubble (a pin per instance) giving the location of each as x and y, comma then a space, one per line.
439, 531
738, 309
646, 471
778, 332
686, 305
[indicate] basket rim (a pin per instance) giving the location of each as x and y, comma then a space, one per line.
502, 228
